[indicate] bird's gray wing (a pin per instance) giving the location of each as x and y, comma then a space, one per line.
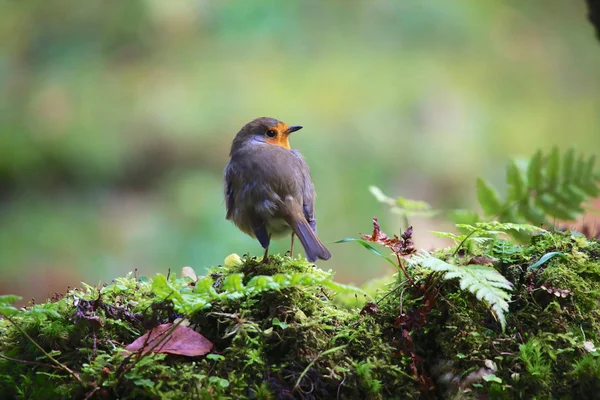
247, 221
229, 194
308, 192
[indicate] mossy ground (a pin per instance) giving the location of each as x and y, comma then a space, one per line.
302, 342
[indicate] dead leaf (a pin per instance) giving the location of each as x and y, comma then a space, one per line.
369, 308
182, 340
482, 260
401, 246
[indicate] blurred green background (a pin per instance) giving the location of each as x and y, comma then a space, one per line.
116, 119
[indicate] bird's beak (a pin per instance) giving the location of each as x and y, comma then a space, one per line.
293, 129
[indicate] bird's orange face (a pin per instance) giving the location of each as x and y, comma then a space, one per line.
278, 134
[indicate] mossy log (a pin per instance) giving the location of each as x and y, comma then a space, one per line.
287, 335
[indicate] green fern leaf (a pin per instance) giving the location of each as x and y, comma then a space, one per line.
589, 168
579, 171
553, 169
515, 181
574, 192
589, 182
233, 283
503, 227
534, 171
484, 282
553, 208
480, 240
568, 166
572, 203
531, 212
488, 198
548, 189
205, 285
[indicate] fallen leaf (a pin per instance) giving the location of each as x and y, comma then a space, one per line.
182, 340
481, 260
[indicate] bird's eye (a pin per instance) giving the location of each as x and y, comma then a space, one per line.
271, 133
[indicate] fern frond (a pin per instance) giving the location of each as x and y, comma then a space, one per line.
548, 188
496, 228
479, 240
481, 233
484, 282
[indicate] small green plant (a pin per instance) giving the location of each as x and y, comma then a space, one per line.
535, 361
190, 299
587, 374
364, 369
483, 281
547, 188
8, 311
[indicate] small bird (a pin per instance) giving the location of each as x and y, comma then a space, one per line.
268, 189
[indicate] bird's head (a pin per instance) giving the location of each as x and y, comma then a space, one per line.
267, 130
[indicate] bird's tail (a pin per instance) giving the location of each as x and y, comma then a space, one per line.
313, 247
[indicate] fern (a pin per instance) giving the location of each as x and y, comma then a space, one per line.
547, 188
484, 282
483, 233
497, 228
550, 186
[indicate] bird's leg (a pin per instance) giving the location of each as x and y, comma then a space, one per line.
265, 239
265, 259
292, 246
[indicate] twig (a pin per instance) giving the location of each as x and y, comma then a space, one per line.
463, 242
391, 291
340, 387
401, 300
29, 362
91, 393
332, 350
404, 269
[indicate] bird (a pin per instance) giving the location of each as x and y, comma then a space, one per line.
269, 192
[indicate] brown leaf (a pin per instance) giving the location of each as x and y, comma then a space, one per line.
481, 260
369, 308
182, 341
402, 247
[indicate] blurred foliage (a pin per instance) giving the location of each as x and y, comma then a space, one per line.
117, 117
543, 191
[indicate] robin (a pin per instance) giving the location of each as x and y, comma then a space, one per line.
268, 189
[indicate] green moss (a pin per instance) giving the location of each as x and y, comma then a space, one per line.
271, 344
553, 311
284, 335
586, 374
